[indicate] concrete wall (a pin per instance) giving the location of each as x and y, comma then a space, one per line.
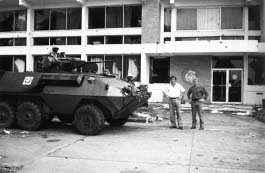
201, 64
179, 64
151, 21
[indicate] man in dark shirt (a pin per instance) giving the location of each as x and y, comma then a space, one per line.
198, 95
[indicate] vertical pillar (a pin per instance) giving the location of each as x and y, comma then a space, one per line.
83, 30
162, 20
173, 22
145, 66
245, 23
262, 20
245, 79
29, 42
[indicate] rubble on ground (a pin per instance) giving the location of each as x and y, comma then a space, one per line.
15, 133
9, 169
258, 112
159, 111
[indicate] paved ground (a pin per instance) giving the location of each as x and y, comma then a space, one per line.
230, 143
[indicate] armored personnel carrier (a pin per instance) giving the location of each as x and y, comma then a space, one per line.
71, 91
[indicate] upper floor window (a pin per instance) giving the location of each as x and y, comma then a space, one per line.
209, 18
13, 20
57, 19
114, 17
12, 41
254, 18
167, 20
13, 63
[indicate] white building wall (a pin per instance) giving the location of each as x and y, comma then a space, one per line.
228, 47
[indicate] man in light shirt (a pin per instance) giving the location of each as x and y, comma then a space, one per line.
174, 93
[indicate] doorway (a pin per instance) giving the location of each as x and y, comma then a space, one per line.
227, 85
159, 69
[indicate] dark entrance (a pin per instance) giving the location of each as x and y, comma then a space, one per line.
159, 69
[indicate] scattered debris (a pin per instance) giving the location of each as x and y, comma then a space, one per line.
6, 132
10, 169
53, 140
2, 157
15, 133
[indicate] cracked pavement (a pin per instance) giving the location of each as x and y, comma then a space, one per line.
230, 143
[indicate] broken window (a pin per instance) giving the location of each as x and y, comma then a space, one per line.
132, 39
12, 41
19, 41
95, 40
96, 17
256, 70
13, 20
114, 39
73, 40
57, 41
6, 42
39, 41
13, 63
132, 16
74, 18
159, 70
42, 19
121, 65
114, 17
167, 20
132, 65
187, 19
6, 21
231, 18
97, 58
253, 17
115, 66
57, 19
227, 62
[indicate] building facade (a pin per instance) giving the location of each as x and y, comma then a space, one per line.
220, 41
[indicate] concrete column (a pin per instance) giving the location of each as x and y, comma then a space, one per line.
30, 28
245, 23
262, 20
83, 30
145, 68
151, 21
245, 79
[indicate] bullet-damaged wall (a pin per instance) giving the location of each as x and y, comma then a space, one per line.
180, 65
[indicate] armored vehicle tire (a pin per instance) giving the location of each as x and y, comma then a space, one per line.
117, 122
29, 116
66, 118
89, 119
7, 116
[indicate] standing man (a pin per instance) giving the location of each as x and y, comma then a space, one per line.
199, 95
174, 94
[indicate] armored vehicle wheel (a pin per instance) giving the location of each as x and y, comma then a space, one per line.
89, 119
29, 116
66, 118
117, 122
7, 116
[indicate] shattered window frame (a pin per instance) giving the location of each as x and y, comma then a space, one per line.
256, 70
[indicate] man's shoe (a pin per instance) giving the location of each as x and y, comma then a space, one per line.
193, 128
172, 127
180, 128
201, 128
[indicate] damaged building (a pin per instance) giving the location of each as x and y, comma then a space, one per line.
220, 41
